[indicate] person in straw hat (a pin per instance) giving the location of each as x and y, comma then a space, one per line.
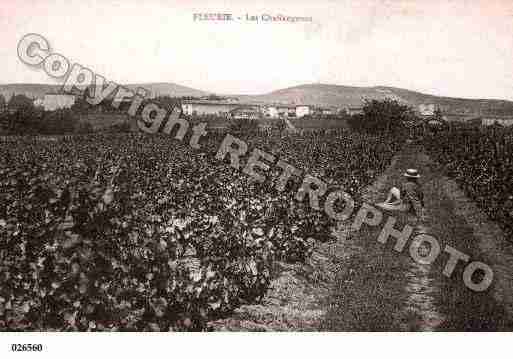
409, 198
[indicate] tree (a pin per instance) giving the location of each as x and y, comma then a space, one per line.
243, 126
279, 125
118, 127
60, 121
21, 103
83, 127
21, 122
81, 106
438, 115
382, 116
26, 121
168, 102
3, 103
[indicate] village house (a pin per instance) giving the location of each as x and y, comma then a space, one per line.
246, 112
270, 112
458, 117
282, 111
286, 111
55, 101
302, 110
427, 109
497, 120
207, 107
38, 103
354, 110
225, 108
328, 111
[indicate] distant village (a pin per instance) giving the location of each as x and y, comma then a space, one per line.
229, 107
225, 107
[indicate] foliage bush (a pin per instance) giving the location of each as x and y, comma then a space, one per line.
243, 126
381, 116
21, 122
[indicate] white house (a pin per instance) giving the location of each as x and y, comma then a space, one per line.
328, 111
286, 111
270, 111
302, 110
427, 109
354, 110
246, 112
206, 107
504, 120
38, 102
55, 101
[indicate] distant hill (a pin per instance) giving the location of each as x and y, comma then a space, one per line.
351, 96
156, 89
169, 89
30, 90
310, 94
322, 95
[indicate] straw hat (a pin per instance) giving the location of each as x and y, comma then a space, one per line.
411, 173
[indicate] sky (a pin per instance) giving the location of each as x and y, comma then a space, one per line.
450, 48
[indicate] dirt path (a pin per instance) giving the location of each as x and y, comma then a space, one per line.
296, 300
380, 289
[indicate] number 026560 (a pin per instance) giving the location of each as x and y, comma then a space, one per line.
26, 347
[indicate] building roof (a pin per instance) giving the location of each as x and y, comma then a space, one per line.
59, 94
246, 108
502, 118
209, 102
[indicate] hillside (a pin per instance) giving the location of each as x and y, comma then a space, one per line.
342, 96
160, 88
169, 89
310, 94
322, 95
30, 90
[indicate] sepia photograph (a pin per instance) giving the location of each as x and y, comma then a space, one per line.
321, 171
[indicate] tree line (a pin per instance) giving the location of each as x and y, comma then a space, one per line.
20, 116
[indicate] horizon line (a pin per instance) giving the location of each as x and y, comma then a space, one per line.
275, 90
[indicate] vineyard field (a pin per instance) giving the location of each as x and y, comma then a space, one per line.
133, 232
